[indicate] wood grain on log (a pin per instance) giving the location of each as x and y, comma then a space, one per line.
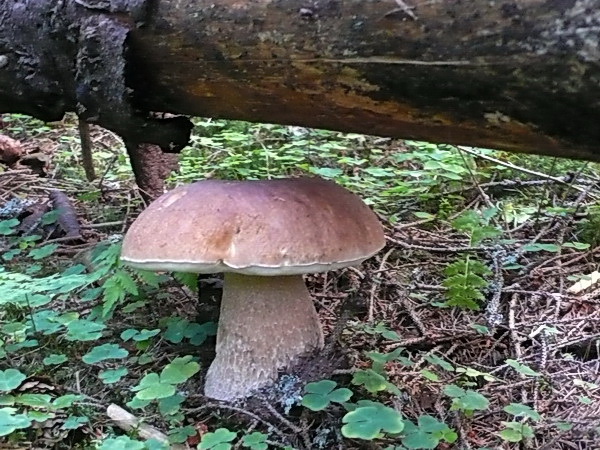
520, 76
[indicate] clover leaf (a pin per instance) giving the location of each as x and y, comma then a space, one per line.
84, 330
54, 359
122, 443
9, 421
218, 440
320, 394
255, 441
465, 400
74, 422
10, 379
367, 422
151, 388
112, 376
104, 352
427, 434
179, 370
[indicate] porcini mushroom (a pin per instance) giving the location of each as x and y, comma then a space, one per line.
264, 235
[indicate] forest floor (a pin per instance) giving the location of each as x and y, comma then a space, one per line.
479, 322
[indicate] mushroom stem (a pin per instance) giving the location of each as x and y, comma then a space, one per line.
265, 324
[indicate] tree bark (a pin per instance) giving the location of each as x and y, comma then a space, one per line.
520, 76
151, 167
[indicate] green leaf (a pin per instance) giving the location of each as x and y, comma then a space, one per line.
150, 388
420, 439
10, 255
54, 359
170, 405
128, 334
470, 401
188, 279
423, 215
453, 390
515, 431
522, 368
84, 330
255, 441
541, 247
511, 435
153, 444
391, 335
181, 434
9, 421
34, 400
564, 426
179, 370
67, 400
466, 221
50, 217
122, 443
137, 403
380, 359
368, 422
576, 245
40, 416
198, 333
430, 424
112, 376
585, 400
430, 375
7, 226
518, 409
218, 440
436, 360
74, 422
148, 277
482, 329
320, 394
43, 252
175, 329
139, 336
10, 379
326, 172
371, 380
7, 400
104, 352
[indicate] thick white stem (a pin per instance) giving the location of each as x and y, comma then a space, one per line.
265, 324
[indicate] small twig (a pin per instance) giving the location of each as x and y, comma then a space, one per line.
493, 317
86, 149
248, 431
375, 285
250, 414
518, 168
104, 224
127, 422
278, 416
436, 249
413, 314
515, 339
482, 193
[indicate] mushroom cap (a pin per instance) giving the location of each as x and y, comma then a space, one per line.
272, 227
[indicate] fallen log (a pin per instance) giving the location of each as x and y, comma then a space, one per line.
521, 76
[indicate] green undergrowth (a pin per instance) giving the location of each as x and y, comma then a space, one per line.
97, 332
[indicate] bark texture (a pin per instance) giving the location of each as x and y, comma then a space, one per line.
151, 167
265, 324
520, 76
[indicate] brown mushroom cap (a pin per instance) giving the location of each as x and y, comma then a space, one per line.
272, 227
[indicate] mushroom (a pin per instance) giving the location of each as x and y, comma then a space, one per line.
263, 235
